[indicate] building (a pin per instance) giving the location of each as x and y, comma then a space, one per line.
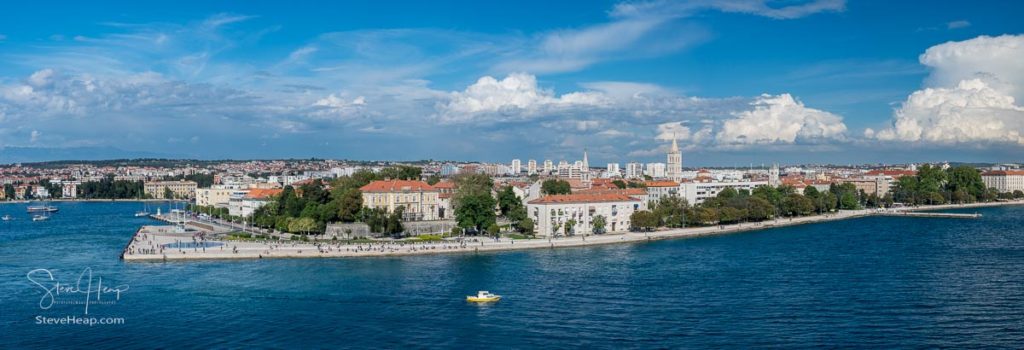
247, 204
419, 200
869, 184
551, 213
548, 166
674, 171
634, 170
180, 189
218, 196
531, 167
659, 189
69, 189
773, 176
517, 167
656, 170
613, 169
1004, 180
697, 192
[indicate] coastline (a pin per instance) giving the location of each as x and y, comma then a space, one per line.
136, 248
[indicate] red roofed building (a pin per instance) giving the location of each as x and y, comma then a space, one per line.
1004, 180
551, 213
418, 200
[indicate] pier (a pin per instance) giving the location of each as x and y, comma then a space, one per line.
920, 214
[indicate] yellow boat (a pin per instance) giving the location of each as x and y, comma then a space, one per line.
483, 297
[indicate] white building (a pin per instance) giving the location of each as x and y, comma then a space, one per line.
1004, 180
697, 192
548, 166
773, 176
551, 213
517, 167
634, 170
613, 170
656, 170
531, 167
218, 196
659, 189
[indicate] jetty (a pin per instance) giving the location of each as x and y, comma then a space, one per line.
924, 214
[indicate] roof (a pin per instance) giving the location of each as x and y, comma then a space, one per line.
584, 198
894, 173
397, 186
444, 185
1003, 173
625, 191
262, 193
661, 184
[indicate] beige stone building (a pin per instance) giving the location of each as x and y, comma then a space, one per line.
1004, 180
181, 189
419, 200
551, 213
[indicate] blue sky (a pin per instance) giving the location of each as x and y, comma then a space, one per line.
737, 82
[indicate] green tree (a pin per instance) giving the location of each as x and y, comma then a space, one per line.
494, 229
796, 205
619, 183
475, 211
730, 215
643, 220
555, 186
508, 201
598, 223
759, 209
570, 227
525, 226
168, 194
433, 179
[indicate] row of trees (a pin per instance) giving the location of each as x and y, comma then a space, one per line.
934, 185
308, 208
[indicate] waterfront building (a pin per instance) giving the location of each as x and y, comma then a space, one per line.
531, 167
551, 213
445, 192
517, 167
244, 205
218, 196
674, 170
419, 200
659, 189
697, 192
886, 179
1004, 180
69, 189
180, 189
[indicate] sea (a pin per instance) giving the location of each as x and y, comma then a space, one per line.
875, 282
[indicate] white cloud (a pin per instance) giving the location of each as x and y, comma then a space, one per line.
753, 7
997, 60
34, 136
971, 98
971, 112
958, 24
780, 119
673, 130
517, 96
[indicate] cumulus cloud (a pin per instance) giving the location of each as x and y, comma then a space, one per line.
996, 60
780, 119
971, 112
971, 99
673, 130
517, 96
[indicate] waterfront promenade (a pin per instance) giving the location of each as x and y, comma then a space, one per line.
159, 243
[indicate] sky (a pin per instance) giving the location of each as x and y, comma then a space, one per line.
736, 82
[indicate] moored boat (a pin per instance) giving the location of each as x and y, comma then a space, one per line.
483, 296
42, 209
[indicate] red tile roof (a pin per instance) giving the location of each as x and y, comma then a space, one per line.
625, 191
583, 198
397, 186
893, 173
1003, 172
262, 193
661, 184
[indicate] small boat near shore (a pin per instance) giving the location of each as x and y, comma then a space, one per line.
42, 209
38, 217
483, 296
7, 218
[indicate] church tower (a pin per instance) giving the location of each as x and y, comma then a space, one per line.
675, 162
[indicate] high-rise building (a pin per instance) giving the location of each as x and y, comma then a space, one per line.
675, 162
773, 176
634, 170
531, 167
516, 167
613, 169
548, 166
656, 170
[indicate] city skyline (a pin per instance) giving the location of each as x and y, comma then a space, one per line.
744, 82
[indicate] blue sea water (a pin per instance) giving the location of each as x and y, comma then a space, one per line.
878, 282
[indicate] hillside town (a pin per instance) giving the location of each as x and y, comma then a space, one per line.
350, 199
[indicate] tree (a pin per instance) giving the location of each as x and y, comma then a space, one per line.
168, 194
433, 179
619, 184
966, 180
759, 209
525, 226
508, 200
705, 216
796, 205
1018, 194
475, 211
730, 215
598, 223
643, 220
401, 172
555, 186
494, 229
301, 225
670, 211
570, 226
727, 193
349, 204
